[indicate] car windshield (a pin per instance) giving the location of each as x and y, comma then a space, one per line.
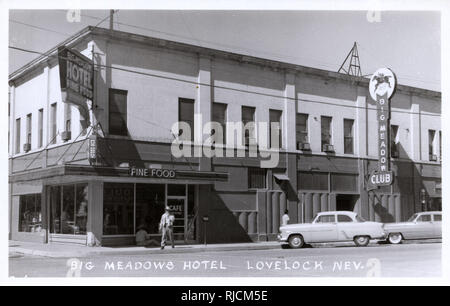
359, 219
413, 217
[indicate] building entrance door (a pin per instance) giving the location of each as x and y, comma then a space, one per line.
178, 207
346, 202
182, 200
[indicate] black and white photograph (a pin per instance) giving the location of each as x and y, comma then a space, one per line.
223, 142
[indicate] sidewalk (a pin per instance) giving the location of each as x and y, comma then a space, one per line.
69, 250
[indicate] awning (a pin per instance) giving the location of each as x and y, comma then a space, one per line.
87, 170
281, 177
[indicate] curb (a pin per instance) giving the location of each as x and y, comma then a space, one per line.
25, 251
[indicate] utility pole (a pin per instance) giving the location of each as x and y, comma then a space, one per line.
111, 20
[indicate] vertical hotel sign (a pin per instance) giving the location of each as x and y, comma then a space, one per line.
76, 74
381, 87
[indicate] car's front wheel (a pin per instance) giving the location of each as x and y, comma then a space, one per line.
395, 238
361, 240
296, 241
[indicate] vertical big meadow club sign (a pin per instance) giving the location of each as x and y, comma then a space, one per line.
381, 87
76, 75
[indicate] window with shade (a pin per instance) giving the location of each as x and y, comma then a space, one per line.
325, 130
17, 144
67, 117
29, 125
53, 122
219, 116
40, 127
302, 128
118, 112
431, 140
256, 178
275, 129
248, 122
186, 115
348, 136
394, 141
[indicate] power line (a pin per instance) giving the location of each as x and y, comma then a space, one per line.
25, 50
106, 18
325, 64
403, 76
319, 62
247, 91
37, 27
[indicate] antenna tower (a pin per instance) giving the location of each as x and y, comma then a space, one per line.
353, 66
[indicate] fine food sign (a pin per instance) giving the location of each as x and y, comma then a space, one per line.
76, 75
156, 173
381, 88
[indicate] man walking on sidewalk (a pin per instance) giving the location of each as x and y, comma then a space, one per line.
166, 228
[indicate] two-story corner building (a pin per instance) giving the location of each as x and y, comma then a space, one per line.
144, 85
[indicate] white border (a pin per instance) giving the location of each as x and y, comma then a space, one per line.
398, 5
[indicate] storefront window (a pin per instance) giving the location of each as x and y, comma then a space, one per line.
176, 190
344, 182
55, 209
118, 209
30, 219
68, 209
128, 207
150, 201
312, 181
81, 209
191, 213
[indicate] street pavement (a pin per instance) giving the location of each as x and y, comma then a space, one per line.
375, 260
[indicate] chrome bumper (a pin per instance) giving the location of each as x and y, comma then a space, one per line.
281, 239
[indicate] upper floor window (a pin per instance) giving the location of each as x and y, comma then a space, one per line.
248, 122
67, 135
431, 144
275, 129
219, 115
440, 145
186, 114
348, 136
17, 146
29, 125
118, 112
67, 117
302, 129
40, 127
53, 121
394, 141
325, 130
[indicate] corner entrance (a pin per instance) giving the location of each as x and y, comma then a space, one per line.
346, 202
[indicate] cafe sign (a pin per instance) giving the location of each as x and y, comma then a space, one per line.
381, 88
76, 75
92, 150
154, 173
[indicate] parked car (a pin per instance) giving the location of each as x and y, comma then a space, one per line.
423, 225
332, 226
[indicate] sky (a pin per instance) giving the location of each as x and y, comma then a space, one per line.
408, 42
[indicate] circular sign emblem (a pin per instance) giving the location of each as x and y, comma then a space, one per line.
382, 82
